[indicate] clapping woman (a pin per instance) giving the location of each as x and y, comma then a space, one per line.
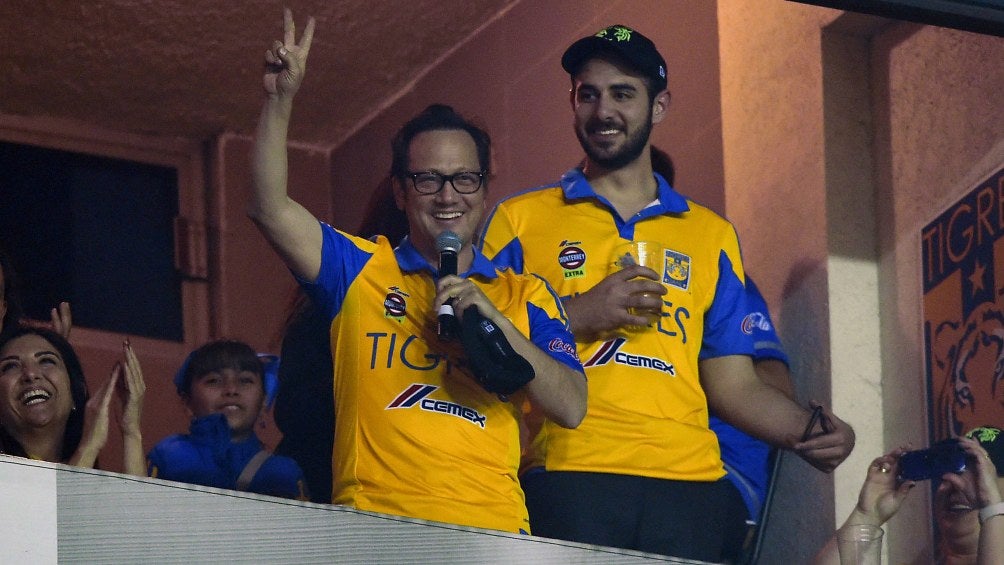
45, 412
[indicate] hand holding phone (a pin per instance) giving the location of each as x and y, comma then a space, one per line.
945, 456
817, 417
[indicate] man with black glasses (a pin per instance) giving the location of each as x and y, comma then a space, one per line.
425, 427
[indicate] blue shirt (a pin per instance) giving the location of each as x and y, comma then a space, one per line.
207, 457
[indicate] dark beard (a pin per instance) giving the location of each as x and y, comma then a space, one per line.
631, 150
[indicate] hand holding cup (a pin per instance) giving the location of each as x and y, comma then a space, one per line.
645, 254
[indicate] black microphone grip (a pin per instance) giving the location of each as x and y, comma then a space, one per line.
448, 327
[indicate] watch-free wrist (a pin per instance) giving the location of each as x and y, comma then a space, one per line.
990, 511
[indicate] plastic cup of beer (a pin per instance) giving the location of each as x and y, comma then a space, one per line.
860, 544
647, 254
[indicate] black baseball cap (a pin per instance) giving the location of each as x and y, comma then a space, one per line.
992, 440
630, 45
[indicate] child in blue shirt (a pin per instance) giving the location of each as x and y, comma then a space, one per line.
224, 385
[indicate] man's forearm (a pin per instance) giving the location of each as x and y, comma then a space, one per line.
270, 167
739, 397
134, 460
556, 389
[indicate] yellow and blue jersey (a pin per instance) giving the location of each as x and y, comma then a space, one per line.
647, 414
415, 435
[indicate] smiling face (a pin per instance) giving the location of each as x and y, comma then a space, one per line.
446, 152
613, 112
952, 507
238, 395
35, 390
957, 518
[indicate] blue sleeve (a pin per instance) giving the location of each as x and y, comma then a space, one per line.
758, 323
553, 334
160, 457
723, 334
280, 476
154, 462
341, 262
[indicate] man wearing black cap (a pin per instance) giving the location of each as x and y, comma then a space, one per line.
643, 470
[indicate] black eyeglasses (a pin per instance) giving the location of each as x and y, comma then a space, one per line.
464, 182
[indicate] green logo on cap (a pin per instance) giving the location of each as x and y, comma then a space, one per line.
620, 33
984, 435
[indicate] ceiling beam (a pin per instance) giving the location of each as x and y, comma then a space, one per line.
979, 16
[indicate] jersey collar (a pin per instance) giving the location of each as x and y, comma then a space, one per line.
575, 186
411, 260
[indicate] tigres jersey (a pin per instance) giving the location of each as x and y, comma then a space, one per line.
647, 414
415, 435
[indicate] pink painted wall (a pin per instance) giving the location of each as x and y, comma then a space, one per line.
941, 131
772, 112
251, 288
927, 126
510, 79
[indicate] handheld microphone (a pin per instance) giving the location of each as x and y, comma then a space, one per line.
448, 244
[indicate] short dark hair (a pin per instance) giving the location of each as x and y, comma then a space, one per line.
215, 356
78, 391
436, 117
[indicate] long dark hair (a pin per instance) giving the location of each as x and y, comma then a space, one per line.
382, 216
662, 163
78, 391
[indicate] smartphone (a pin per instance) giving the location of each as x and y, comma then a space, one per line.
817, 417
946, 456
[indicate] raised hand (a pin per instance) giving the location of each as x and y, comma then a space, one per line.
880, 498
881, 495
131, 388
290, 228
95, 433
286, 60
983, 490
62, 321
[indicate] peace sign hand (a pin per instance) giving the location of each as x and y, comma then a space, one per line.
286, 61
